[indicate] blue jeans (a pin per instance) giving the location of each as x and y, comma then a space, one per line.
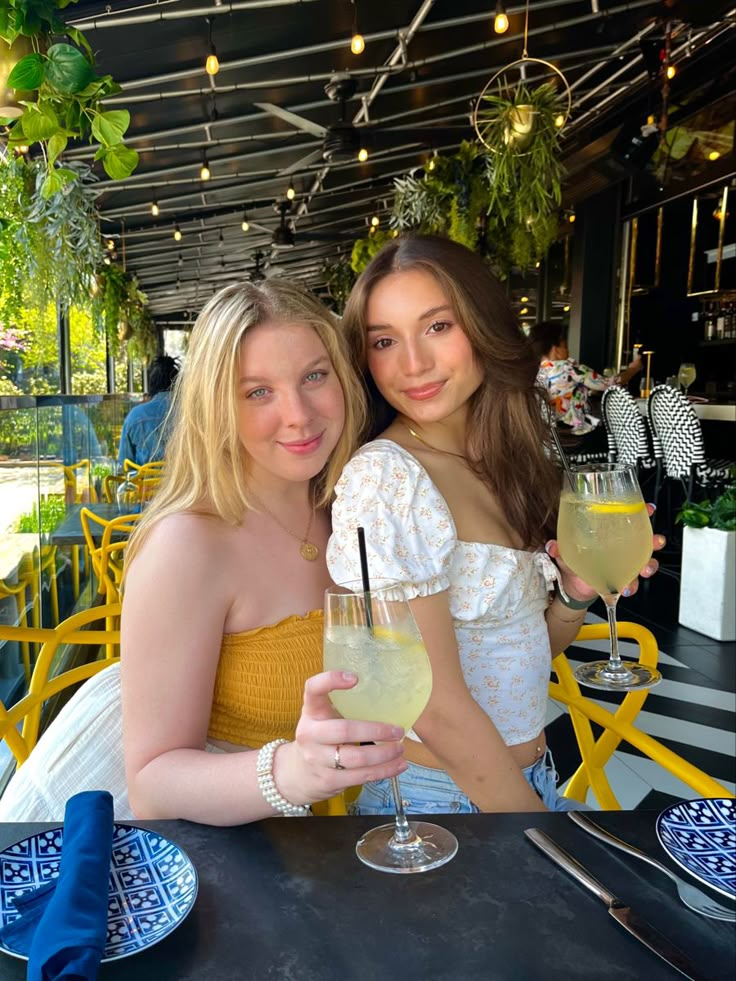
428, 791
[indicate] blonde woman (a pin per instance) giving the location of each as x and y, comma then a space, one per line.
222, 622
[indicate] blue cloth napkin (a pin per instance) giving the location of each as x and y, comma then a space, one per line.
63, 926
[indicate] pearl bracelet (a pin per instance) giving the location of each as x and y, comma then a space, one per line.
267, 785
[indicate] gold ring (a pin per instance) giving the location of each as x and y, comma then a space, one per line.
337, 765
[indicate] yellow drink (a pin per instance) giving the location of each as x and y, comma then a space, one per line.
395, 678
686, 375
605, 542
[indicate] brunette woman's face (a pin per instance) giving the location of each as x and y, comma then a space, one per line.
418, 354
291, 407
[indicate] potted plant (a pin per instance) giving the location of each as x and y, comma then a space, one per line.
708, 579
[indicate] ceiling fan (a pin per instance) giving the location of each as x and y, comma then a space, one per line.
342, 140
284, 236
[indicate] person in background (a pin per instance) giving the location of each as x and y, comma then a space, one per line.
145, 431
567, 383
458, 498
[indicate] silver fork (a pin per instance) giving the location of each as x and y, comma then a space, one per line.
691, 897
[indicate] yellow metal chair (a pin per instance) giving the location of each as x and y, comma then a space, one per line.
18, 592
617, 726
107, 557
19, 725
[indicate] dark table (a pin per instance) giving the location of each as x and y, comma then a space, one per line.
69, 532
288, 899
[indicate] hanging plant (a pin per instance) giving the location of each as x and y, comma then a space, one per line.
49, 244
365, 248
524, 169
340, 278
63, 94
121, 311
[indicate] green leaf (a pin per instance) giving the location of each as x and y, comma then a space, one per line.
57, 145
120, 162
79, 39
52, 184
109, 127
28, 73
41, 124
66, 175
68, 70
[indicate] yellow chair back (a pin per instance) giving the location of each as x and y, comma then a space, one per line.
107, 557
20, 724
617, 726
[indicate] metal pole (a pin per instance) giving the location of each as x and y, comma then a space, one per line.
65, 354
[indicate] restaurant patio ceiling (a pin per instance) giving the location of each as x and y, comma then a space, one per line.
424, 64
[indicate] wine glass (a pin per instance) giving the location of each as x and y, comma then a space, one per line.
375, 636
605, 537
686, 375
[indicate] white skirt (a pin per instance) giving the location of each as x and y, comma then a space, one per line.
82, 749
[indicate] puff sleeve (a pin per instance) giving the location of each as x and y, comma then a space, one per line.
409, 531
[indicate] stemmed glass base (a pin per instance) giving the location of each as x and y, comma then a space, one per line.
429, 847
617, 676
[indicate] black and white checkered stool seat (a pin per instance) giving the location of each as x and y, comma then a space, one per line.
678, 437
629, 441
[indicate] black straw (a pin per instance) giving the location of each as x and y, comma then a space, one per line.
563, 458
366, 579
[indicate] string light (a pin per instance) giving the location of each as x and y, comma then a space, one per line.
177, 233
155, 210
244, 224
204, 172
500, 21
714, 154
22, 148
560, 120
107, 260
291, 192
110, 245
375, 221
566, 309
523, 311
212, 65
670, 71
362, 154
571, 217
525, 299
357, 41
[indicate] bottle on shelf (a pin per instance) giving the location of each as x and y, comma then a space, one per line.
720, 322
709, 322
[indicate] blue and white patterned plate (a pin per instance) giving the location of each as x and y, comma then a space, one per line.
700, 835
153, 885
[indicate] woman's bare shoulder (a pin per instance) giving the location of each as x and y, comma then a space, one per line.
203, 537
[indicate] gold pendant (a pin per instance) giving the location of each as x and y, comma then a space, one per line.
309, 551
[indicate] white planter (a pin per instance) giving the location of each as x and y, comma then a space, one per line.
708, 582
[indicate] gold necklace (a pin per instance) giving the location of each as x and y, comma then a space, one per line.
460, 456
309, 550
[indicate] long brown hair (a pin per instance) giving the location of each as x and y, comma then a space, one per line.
206, 464
508, 439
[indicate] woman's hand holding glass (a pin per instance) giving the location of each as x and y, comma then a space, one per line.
579, 590
306, 770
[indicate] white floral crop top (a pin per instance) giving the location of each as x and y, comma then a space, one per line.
498, 595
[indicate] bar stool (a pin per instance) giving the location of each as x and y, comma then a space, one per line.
629, 438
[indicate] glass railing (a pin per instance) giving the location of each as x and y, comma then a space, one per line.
55, 452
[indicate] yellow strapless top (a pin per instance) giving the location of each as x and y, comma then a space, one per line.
259, 686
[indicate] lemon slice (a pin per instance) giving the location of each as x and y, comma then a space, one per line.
617, 507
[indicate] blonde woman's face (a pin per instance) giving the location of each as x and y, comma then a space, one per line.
290, 403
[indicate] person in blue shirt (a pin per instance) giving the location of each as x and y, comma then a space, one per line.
144, 431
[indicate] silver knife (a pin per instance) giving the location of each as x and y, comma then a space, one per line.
628, 919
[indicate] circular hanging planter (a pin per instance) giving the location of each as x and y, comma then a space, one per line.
518, 121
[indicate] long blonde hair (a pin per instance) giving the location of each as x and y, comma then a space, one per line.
206, 463
506, 438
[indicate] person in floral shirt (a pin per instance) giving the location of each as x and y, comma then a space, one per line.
567, 383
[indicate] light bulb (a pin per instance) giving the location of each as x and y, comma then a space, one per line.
523, 311
357, 44
290, 192
155, 210
431, 164
204, 173
362, 154
110, 245
375, 221
525, 299
560, 120
244, 225
107, 260
212, 65
671, 71
714, 155
500, 21
571, 217
177, 233
22, 148
566, 309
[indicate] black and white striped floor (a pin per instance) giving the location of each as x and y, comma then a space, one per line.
692, 711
